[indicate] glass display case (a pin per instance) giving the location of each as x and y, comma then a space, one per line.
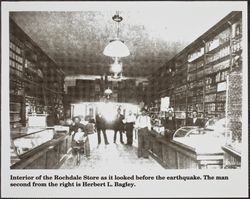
25, 143
208, 139
186, 131
214, 126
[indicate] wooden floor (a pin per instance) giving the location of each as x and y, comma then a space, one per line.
113, 156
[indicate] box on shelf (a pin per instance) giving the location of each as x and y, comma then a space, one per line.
37, 120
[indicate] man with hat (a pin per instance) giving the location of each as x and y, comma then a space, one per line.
76, 124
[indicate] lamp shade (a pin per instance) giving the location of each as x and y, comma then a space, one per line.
108, 91
116, 48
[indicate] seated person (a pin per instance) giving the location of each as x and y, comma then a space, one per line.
80, 141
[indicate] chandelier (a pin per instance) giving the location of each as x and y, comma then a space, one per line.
108, 92
116, 49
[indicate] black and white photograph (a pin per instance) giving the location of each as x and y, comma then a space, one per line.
124, 99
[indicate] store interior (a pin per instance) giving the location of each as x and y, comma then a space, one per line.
69, 66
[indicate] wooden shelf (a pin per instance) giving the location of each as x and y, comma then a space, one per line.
14, 112
215, 102
238, 37
16, 61
33, 83
239, 52
215, 92
220, 81
16, 121
29, 51
196, 70
217, 49
218, 60
197, 59
13, 51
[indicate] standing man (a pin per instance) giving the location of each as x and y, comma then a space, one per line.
194, 121
101, 126
129, 126
143, 124
119, 126
169, 123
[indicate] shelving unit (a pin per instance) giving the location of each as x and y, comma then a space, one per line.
16, 83
195, 79
36, 82
199, 71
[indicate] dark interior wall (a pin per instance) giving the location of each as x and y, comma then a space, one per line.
93, 91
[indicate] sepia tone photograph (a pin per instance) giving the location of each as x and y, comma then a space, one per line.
128, 89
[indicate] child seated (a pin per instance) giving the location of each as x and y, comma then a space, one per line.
80, 141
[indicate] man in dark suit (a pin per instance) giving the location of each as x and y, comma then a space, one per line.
119, 126
169, 123
101, 126
194, 121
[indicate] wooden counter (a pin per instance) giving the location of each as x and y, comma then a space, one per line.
232, 158
49, 155
176, 155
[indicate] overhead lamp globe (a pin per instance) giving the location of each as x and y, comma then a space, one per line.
116, 48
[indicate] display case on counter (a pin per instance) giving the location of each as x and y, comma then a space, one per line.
39, 148
27, 142
193, 147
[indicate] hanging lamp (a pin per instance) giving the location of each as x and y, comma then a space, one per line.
116, 47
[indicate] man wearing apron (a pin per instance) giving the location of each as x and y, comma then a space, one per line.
143, 124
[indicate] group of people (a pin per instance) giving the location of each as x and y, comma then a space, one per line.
81, 129
170, 122
121, 124
142, 123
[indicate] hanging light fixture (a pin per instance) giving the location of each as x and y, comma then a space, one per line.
116, 76
116, 67
108, 92
116, 47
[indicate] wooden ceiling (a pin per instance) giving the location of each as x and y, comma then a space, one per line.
75, 40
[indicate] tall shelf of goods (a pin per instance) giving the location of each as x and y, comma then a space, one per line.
34, 81
170, 82
162, 82
217, 65
54, 89
180, 90
195, 81
16, 62
208, 68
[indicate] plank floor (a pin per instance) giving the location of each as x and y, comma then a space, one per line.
113, 156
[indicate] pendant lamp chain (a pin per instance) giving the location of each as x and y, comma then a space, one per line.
118, 25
